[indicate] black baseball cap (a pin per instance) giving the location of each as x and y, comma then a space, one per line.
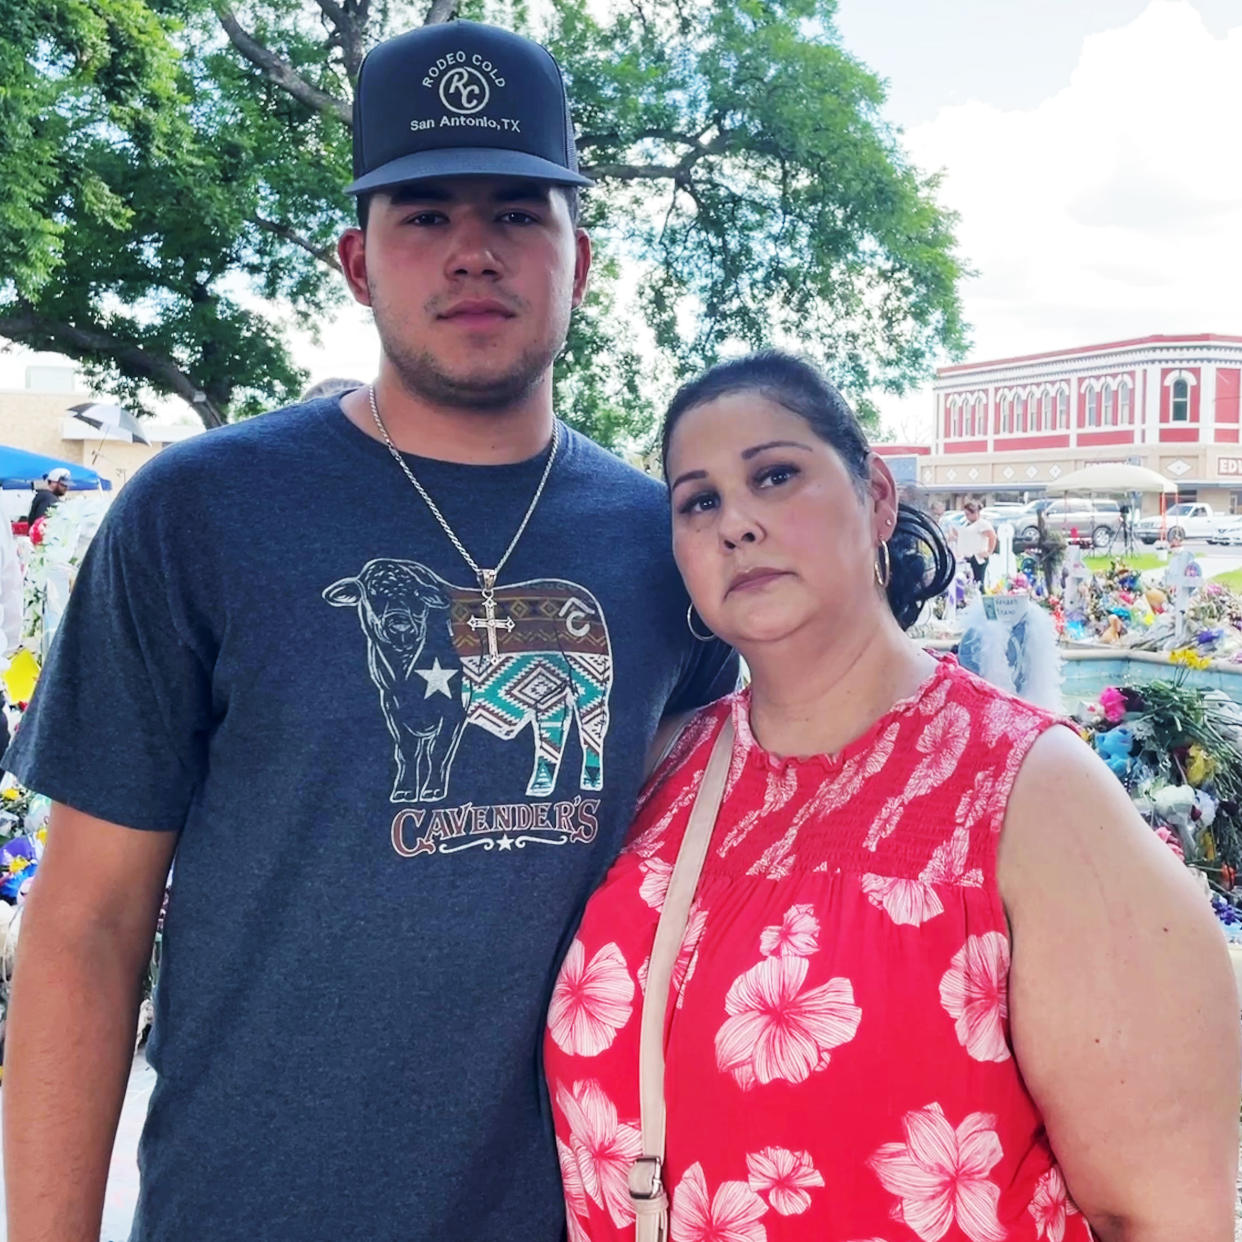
461, 99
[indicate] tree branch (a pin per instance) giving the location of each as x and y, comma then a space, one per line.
348, 26
41, 332
633, 172
325, 254
440, 11
280, 71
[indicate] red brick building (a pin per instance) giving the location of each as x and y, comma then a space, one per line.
1013, 426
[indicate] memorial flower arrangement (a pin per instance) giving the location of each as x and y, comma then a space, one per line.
1178, 751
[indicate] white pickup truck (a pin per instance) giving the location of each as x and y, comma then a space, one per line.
1182, 521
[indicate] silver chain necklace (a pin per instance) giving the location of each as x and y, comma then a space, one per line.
486, 577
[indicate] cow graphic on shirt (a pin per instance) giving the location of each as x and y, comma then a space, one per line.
428, 655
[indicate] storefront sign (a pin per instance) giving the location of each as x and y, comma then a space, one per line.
1231, 466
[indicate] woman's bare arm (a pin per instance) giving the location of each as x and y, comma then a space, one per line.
1123, 1005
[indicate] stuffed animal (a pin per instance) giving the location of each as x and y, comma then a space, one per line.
1174, 804
1114, 746
1112, 631
1156, 598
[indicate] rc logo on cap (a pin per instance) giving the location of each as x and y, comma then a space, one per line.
465, 90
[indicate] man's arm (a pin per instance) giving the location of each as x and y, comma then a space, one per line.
85, 939
1123, 1006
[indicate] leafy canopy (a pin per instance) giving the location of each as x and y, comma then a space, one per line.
174, 169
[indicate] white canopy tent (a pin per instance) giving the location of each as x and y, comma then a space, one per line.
1113, 477
1118, 477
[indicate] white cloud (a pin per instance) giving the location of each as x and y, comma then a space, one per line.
1111, 209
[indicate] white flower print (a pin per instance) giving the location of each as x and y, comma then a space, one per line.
777, 861
934, 699
652, 837
695, 731
974, 992
941, 1175
591, 1002
576, 1205
947, 864
1051, 1205
688, 954
943, 741
603, 1147
656, 875
732, 1215
833, 794
886, 820
998, 718
978, 803
774, 1031
784, 1176
907, 902
780, 786
797, 935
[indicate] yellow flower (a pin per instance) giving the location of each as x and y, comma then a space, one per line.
11, 794
1199, 765
18, 865
41, 836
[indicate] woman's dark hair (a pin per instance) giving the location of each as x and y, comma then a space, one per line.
922, 565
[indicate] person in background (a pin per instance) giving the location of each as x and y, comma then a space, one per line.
45, 497
936, 970
11, 602
975, 540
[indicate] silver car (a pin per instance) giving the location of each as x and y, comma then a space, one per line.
1084, 520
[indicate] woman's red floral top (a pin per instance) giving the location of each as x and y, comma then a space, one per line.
839, 1063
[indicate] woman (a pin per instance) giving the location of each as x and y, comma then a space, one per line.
927, 953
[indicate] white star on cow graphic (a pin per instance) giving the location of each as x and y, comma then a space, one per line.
437, 679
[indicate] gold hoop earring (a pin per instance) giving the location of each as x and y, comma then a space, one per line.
883, 576
703, 638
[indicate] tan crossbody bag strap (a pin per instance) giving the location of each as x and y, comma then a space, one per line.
646, 1180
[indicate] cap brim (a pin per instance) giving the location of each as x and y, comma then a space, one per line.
465, 162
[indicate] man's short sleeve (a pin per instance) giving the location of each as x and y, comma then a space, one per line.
120, 718
712, 673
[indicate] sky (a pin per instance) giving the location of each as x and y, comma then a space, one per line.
1090, 148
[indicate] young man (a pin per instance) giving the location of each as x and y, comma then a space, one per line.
393, 753
46, 497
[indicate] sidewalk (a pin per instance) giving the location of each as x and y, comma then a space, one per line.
123, 1176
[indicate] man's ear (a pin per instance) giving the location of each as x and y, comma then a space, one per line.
582, 265
351, 250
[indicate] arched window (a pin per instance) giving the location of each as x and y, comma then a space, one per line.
1123, 403
1106, 405
1093, 407
1180, 406
1019, 414
981, 416
1062, 407
1006, 413
1045, 411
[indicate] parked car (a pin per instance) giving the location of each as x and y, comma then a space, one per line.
1189, 520
1083, 519
1228, 531
1004, 511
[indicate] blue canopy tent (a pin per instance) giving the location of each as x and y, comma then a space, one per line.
22, 469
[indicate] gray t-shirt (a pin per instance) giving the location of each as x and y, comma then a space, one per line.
386, 832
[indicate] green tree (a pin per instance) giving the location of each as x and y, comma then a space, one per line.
173, 173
